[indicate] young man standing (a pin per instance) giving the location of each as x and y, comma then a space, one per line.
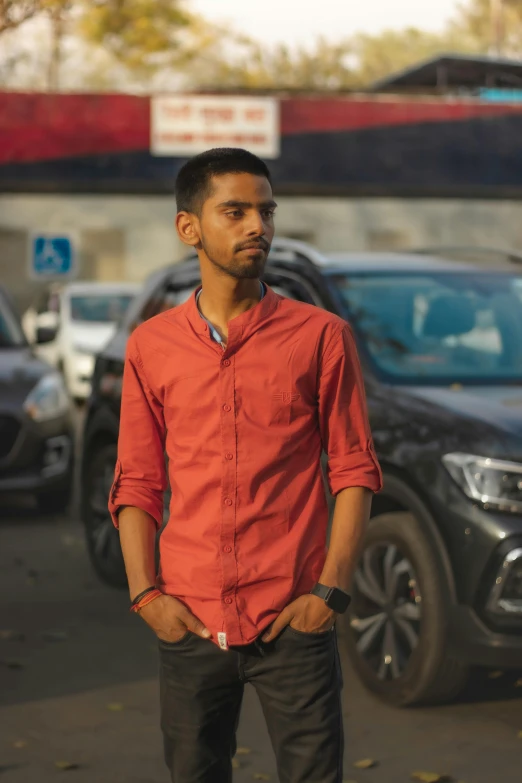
242, 389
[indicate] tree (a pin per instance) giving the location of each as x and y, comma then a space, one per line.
493, 26
393, 50
160, 44
58, 13
14, 13
143, 35
350, 64
251, 65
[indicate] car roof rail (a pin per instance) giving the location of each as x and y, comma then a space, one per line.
468, 252
288, 249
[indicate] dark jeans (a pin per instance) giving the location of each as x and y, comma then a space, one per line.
298, 680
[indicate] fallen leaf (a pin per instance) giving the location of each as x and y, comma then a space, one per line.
495, 675
12, 636
243, 751
115, 707
235, 764
365, 764
20, 744
261, 776
520, 734
430, 777
55, 636
66, 765
518, 683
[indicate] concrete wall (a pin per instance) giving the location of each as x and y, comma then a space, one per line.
128, 237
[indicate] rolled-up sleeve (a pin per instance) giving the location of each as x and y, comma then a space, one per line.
140, 475
343, 417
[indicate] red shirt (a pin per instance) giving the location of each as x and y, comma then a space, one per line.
243, 430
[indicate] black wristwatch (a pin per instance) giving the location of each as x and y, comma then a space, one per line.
335, 599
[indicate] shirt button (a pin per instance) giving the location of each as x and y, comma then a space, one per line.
227, 408
228, 455
226, 363
228, 600
228, 502
227, 549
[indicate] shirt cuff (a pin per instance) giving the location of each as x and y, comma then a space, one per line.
354, 470
146, 500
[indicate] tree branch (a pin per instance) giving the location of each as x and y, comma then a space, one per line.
14, 13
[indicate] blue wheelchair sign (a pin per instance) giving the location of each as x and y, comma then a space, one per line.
52, 256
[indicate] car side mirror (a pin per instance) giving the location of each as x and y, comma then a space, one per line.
45, 334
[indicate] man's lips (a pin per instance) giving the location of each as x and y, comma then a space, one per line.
254, 249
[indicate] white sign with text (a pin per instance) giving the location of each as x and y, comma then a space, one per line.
184, 125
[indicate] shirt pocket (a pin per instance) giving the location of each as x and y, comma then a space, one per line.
287, 407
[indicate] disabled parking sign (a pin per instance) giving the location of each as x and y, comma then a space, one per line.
51, 256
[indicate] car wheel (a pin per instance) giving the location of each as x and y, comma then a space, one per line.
55, 502
103, 539
396, 633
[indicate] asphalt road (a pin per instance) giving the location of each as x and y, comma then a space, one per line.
80, 687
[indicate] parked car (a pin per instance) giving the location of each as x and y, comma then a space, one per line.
439, 583
36, 432
78, 320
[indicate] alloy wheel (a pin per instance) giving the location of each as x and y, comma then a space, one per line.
386, 610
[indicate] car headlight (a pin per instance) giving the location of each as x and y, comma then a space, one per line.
493, 482
48, 399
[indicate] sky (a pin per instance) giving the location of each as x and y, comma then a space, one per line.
301, 21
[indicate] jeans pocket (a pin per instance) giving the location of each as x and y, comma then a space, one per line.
172, 645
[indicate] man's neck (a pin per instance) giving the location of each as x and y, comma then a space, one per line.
221, 301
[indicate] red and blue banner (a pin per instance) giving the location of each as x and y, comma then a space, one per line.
378, 145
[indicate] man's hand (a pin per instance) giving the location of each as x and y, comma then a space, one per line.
308, 614
170, 619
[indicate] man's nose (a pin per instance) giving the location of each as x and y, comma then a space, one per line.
255, 224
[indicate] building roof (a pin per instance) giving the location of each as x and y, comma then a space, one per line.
453, 71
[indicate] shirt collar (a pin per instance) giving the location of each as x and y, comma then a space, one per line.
247, 321
213, 331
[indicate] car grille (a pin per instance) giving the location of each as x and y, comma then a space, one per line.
9, 429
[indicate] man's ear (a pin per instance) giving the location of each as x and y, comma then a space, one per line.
187, 226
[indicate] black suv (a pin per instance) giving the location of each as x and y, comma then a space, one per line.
439, 583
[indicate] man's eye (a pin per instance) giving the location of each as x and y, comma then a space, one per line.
235, 213
269, 213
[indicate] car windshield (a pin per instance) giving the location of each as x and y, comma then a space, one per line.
99, 308
11, 335
437, 327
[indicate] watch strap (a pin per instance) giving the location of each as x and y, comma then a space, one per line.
322, 591
335, 598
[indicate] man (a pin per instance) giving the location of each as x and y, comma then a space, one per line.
242, 389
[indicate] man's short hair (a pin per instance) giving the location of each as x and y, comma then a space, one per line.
193, 183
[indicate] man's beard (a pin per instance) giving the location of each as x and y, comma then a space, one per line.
249, 269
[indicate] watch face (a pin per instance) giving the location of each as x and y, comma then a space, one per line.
338, 601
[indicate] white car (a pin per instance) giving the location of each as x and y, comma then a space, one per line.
70, 324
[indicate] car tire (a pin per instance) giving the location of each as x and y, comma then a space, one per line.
55, 502
396, 629
103, 539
